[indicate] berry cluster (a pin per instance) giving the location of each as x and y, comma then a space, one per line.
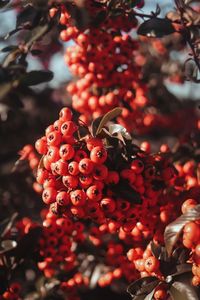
191, 240
104, 60
82, 178
13, 292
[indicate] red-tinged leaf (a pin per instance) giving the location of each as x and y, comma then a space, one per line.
156, 27
174, 229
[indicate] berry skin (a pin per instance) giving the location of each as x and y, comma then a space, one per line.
108, 205
62, 198
78, 197
80, 154
41, 146
137, 166
94, 193
68, 128
98, 155
49, 195
85, 180
65, 114
61, 167
53, 154
112, 177
54, 138
73, 168
188, 204
100, 172
86, 166
151, 264
93, 142
160, 294
66, 152
71, 182
192, 232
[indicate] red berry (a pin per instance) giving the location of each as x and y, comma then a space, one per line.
98, 155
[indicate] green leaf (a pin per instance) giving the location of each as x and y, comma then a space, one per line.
174, 229
100, 122
36, 77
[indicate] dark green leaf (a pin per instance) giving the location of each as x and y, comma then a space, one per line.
36, 77
3, 279
174, 229
156, 27
119, 132
150, 296
27, 245
181, 255
7, 245
36, 34
100, 18
3, 3
183, 268
5, 88
114, 113
7, 224
156, 249
183, 290
27, 17
142, 286
95, 125
36, 52
9, 48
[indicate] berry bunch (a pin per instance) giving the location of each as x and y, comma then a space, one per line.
191, 240
13, 292
85, 179
104, 60
58, 238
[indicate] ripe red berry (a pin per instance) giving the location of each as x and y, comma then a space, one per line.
62, 198
49, 195
66, 152
78, 197
86, 166
98, 155
94, 193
